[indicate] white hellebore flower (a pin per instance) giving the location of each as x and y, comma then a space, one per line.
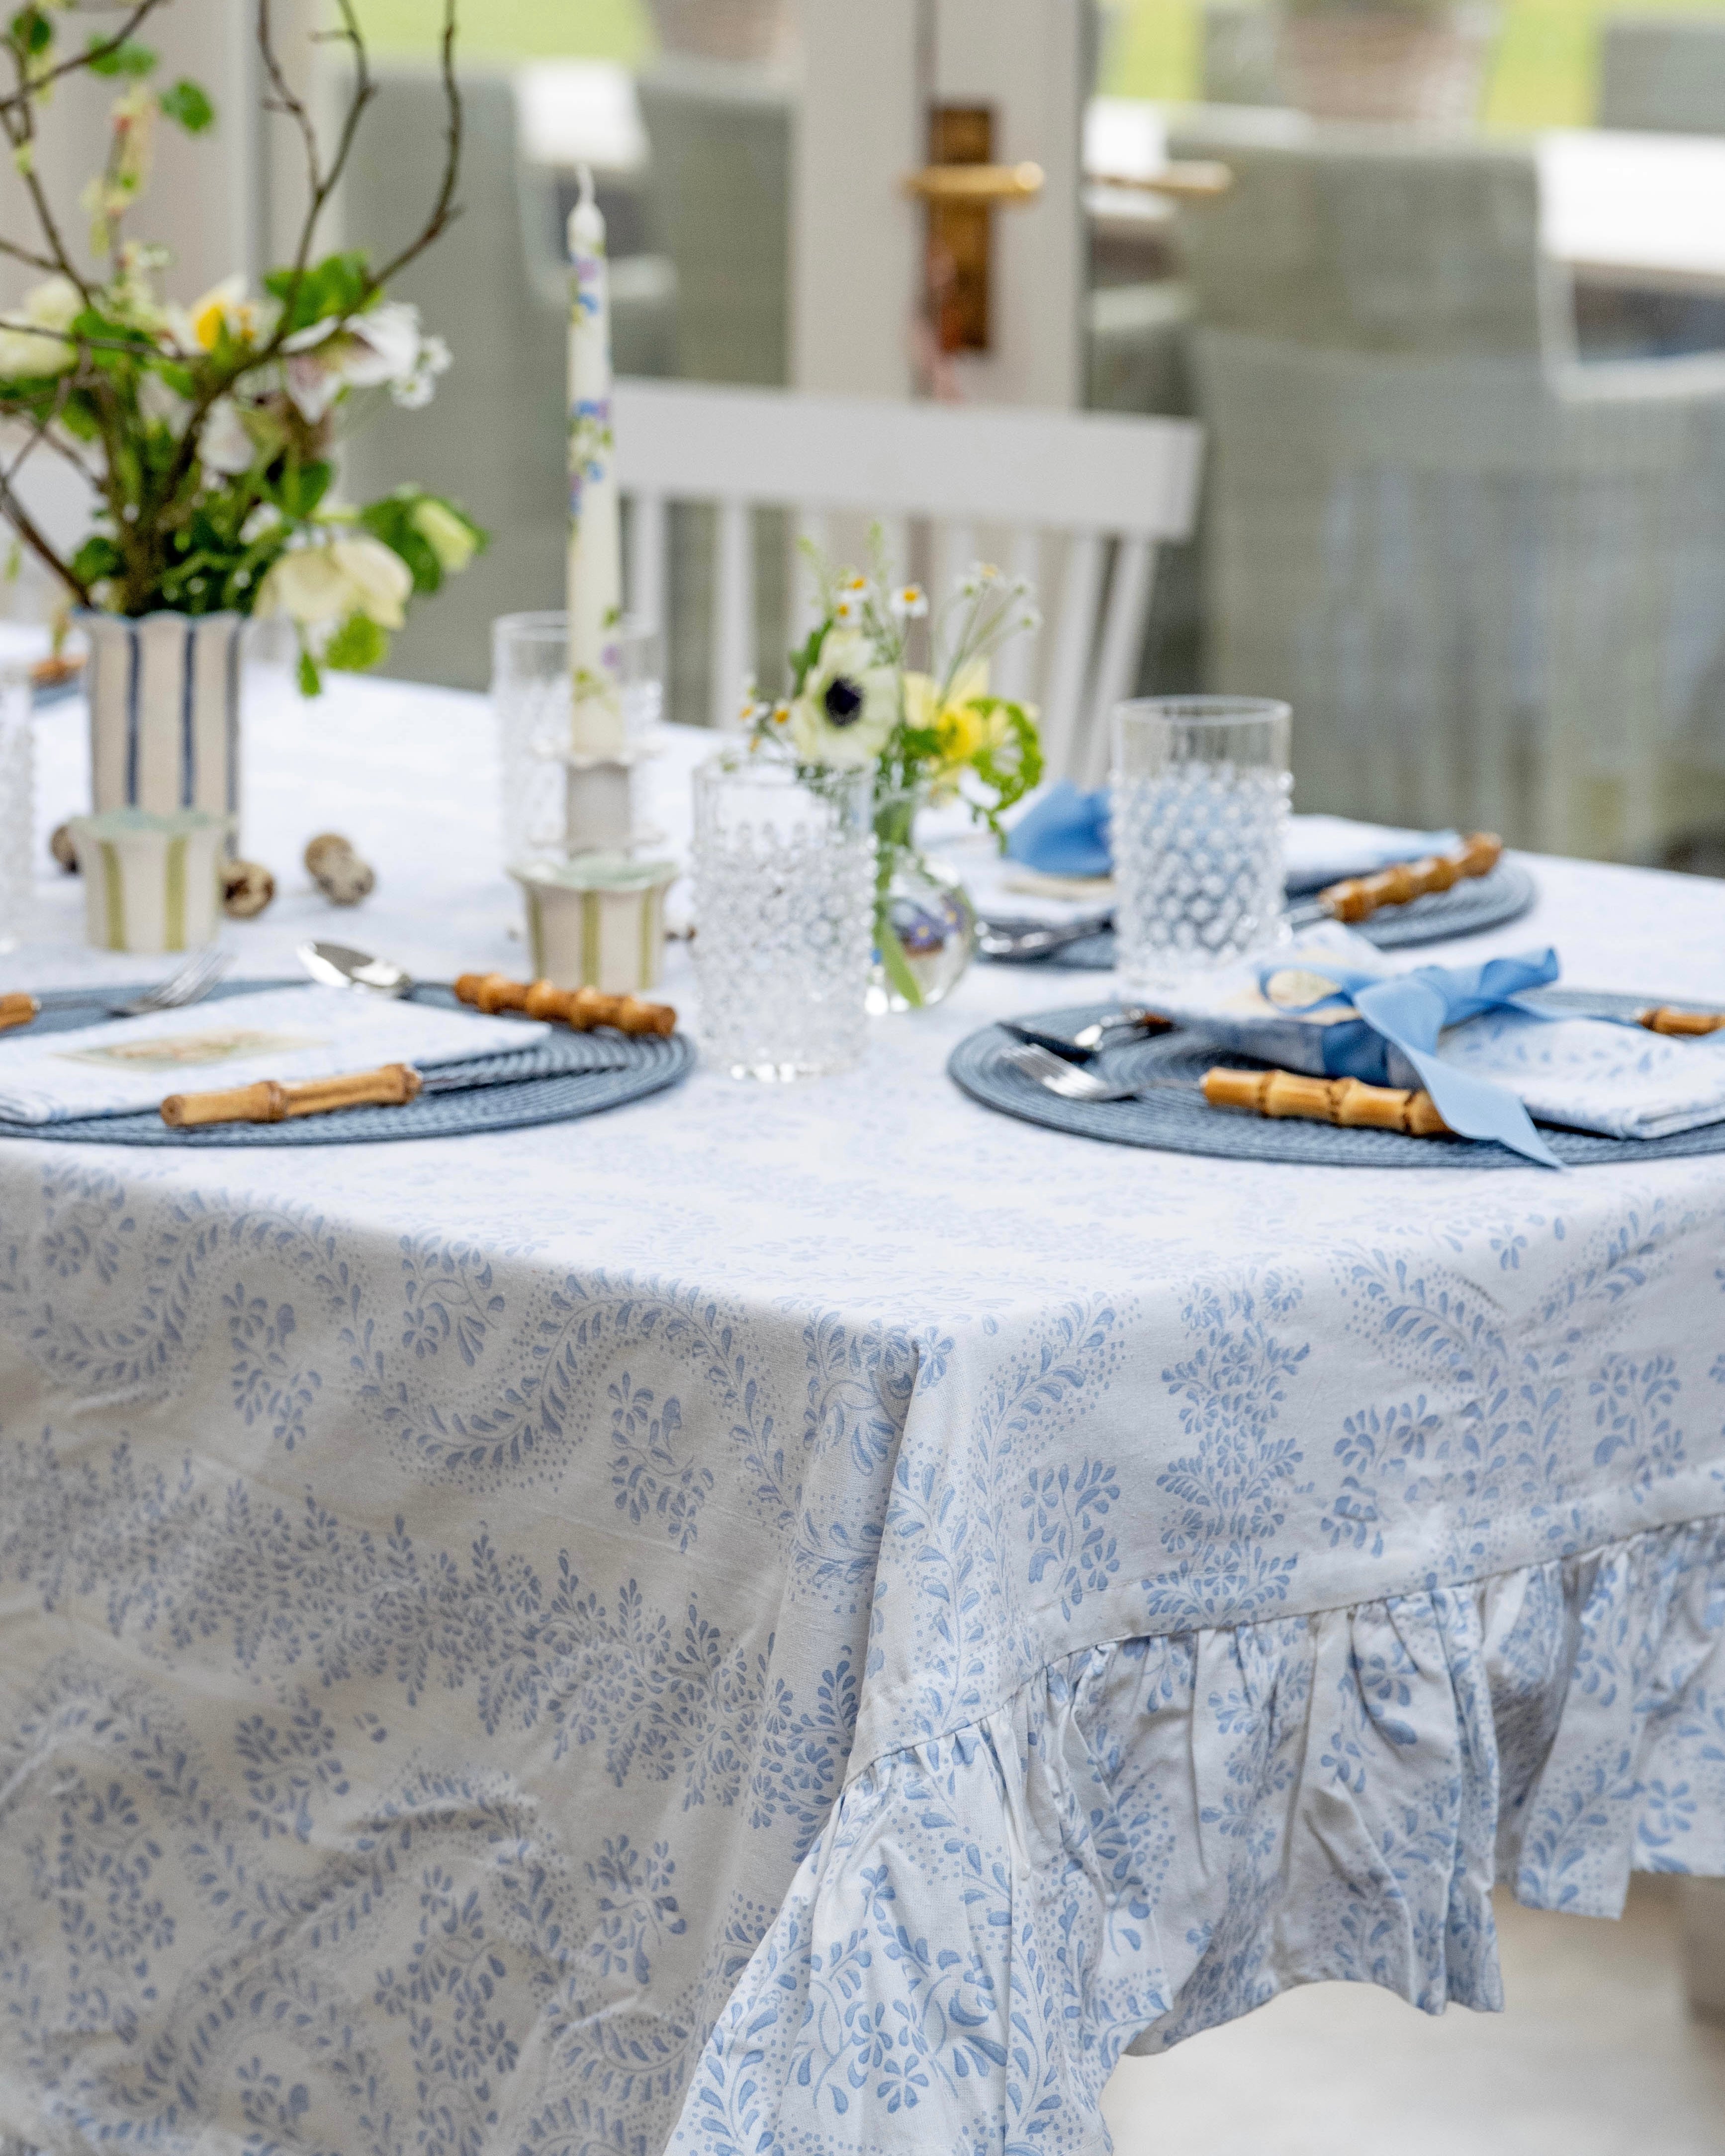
224, 445
316, 586
381, 348
847, 707
25, 349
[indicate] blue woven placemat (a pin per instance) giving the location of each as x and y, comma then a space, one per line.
552, 1080
1184, 1123
1486, 901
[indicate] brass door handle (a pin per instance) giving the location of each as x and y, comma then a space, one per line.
976, 183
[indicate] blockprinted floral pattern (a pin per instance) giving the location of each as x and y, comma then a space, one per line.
459, 1700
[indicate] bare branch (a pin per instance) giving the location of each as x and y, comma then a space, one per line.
17, 121
19, 517
35, 84
23, 254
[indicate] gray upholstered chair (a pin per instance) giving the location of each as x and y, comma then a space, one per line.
1490, 581
1664, 74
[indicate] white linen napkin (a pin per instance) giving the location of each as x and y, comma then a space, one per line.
1620, 1080
1322, 850
125, 1064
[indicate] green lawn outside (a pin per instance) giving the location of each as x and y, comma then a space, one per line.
1542, 74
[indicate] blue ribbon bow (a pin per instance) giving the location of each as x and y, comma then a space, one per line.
1408, 1011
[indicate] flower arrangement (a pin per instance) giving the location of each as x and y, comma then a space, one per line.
206, 432
932, 734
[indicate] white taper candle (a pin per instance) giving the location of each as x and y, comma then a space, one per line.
595, 584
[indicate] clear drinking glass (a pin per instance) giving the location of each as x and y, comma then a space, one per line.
784, 876
531, 695
1199, 808
17, 805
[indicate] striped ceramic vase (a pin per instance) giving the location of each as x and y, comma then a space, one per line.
164, 712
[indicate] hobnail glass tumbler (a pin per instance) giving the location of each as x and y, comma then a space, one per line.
784, 896
531, 695
1199, 808
17, 805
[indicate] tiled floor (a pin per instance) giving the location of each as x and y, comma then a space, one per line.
1596, 2055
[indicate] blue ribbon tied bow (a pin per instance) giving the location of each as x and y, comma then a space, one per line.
1408, 1011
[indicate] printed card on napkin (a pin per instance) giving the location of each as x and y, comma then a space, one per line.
124, 1064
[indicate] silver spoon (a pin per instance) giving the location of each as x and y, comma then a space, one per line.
339, 966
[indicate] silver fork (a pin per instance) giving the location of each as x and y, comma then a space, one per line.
1072, 1084
191, 984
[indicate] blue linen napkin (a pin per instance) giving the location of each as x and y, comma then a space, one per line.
1065, 834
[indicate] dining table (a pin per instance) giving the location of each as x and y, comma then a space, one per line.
804, 1617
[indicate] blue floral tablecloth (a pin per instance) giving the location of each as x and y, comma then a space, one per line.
806, 1618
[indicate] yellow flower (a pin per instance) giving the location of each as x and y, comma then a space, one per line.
963, 729
225, 306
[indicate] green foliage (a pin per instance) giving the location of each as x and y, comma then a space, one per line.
392, 520
188, 106
129, 58
324, 291
357, 644
1012, 770
29, 33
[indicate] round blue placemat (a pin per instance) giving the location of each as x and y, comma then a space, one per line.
1184, 1123
1486, 901
552, 1080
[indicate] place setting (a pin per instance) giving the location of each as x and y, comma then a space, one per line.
1257, 1030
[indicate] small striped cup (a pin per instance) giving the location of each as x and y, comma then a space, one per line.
151, 882
597, 921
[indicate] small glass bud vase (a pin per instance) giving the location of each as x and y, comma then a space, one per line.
925, 924
784, 893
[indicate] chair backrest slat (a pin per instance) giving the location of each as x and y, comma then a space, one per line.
646, 557
1069, 658
1129, 595
733, 611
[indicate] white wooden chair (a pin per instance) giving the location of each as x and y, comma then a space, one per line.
1092, 483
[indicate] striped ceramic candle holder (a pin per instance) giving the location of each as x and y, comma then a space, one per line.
598, 921
164, 712
151, 883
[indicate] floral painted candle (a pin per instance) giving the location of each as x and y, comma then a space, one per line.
595, 549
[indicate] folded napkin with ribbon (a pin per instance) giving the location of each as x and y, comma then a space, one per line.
125, 1065
1491, 1059
1065, 834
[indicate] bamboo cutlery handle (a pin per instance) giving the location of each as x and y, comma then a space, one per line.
1358, 897
580, 1008
391, 1085
1348, 1101
1692, 1024
17, 1009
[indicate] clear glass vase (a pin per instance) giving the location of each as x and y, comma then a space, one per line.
784, 890
925, 924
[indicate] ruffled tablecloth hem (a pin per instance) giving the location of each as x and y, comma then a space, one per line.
1159, 1834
